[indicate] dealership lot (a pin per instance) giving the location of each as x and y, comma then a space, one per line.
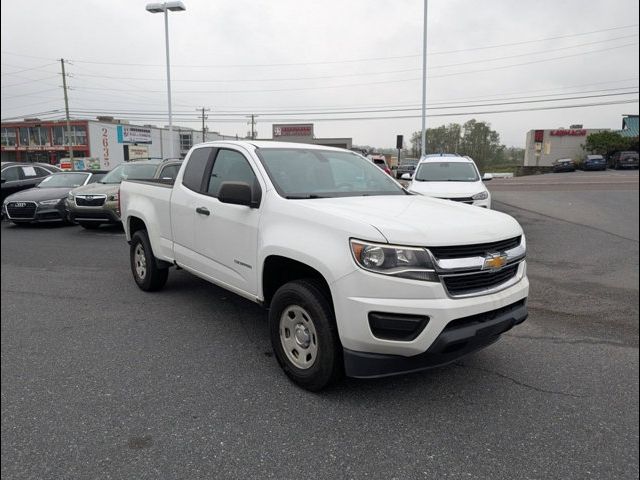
102, 380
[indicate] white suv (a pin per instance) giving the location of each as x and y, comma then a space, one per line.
451, 177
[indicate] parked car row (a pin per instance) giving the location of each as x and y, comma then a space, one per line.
617, 161
89, 198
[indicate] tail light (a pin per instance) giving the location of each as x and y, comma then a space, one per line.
118, 210
387, 171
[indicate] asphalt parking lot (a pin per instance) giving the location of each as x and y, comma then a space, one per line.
102, 380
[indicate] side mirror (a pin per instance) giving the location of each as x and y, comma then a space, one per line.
406, 176
486, 177
3, 180
236, 193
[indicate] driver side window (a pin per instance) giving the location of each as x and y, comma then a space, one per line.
229, 166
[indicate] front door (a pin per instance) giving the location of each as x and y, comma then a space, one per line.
227, 235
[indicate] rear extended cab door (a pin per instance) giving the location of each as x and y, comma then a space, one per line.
216, 240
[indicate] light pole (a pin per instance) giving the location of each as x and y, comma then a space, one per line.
424, 83
165, 7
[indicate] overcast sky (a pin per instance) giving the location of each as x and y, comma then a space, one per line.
275, 57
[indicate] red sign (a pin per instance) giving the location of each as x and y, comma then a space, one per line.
300, 130
569, 133
539, 136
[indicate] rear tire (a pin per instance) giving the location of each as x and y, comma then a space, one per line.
304, 335
89, 225
146, 273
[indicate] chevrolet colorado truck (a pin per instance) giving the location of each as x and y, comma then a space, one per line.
360, 276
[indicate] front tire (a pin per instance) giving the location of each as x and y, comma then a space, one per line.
148, 276
304, 335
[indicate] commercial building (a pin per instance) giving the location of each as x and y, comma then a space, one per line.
545, 146
101, 143
303, 133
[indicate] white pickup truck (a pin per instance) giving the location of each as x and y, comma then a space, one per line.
360, 276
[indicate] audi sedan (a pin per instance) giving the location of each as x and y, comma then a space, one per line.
46, 202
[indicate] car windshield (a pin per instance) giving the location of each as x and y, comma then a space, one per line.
59, 180
311, 173
130, 171
446, 172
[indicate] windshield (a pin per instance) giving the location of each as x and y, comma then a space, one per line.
446, 172
310, 173
58, 180
129, 171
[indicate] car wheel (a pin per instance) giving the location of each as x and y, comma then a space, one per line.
304, 335
89, 225
148, 276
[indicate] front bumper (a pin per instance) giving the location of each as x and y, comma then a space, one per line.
358, 294
474, 334
103, 214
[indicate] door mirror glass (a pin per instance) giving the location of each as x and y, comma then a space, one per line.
236, 193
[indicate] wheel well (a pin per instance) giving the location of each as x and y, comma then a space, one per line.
280, 270
136, 224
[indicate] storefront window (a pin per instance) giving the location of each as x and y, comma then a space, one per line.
39, 136
8, 137
185, 141
24, 136
78, 135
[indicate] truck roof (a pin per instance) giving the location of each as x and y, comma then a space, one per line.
270, 144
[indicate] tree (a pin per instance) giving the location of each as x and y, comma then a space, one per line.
607, 143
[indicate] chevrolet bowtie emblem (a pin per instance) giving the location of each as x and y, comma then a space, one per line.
494, 261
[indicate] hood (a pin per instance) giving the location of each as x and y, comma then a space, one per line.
421, 221
97, 188
447, 189
38, 194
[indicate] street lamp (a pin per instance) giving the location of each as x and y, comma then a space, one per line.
165, 7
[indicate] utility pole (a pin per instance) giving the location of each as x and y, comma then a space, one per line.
424, 83
203, 119
66, 109
253, 123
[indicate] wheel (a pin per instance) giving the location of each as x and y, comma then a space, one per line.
304, 335
89, 225
146, 272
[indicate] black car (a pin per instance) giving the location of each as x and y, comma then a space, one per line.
407, 165
564, 165
46, 202
18, 176
594, 162
624, 160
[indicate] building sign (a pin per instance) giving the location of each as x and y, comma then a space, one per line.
135, 152
105, 148
569, 133
539, 136
130, 134
293, 130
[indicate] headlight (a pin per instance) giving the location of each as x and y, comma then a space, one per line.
113, 198
404, 262
70, 196
481, 196
55, 201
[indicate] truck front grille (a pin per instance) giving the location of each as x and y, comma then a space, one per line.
21, 210
471, 283
477, 250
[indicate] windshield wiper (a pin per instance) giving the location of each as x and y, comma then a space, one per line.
302, 197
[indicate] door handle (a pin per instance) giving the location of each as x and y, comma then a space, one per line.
202, 211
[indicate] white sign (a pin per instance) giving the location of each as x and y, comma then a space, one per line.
131, 134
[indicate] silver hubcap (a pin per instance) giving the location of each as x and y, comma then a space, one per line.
140, 261
298, 337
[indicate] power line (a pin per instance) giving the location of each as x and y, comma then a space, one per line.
25, 69
325, 77
455, 114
